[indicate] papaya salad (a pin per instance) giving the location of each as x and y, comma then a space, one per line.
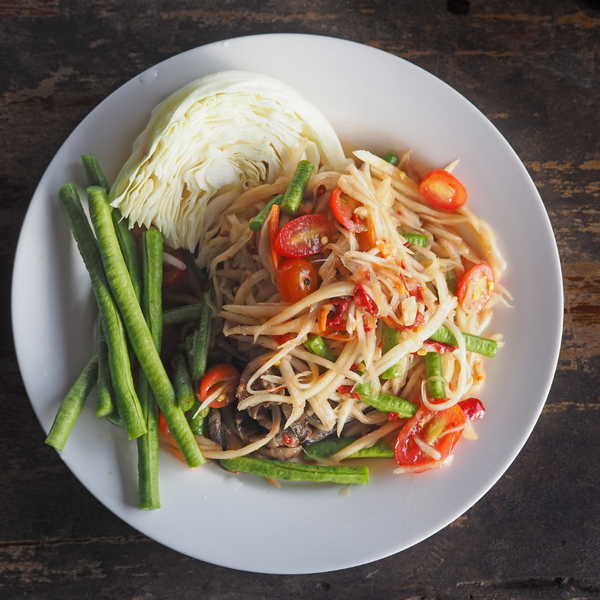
288, 308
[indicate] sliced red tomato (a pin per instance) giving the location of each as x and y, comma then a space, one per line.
473, 408
342, 207
364, 301
443, 190
476, 287
173, 275
296, 279
223, 377
433, 429
303, 236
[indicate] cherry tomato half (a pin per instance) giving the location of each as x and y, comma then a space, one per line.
173, 275
222, 376
303, 236
342, 207
296, 279
429, 427
476, 287
443, 190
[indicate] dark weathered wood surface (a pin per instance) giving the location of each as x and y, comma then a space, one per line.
533, 68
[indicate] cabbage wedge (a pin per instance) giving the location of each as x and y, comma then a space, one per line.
215, 138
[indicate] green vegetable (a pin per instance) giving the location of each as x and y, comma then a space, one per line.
182, 314
332, 445
451, 282
200, 273
293, 195
127, 401
391, 404
71, 406
202, 339
258, 221
104, 404
291, 471
152, 251
197, 420
415, 239
391, 158
127, 243
317, 345
390, 337
182, 382
436, 388
94, 173
473, 343
139, 334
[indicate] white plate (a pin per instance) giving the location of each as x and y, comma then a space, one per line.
376, 101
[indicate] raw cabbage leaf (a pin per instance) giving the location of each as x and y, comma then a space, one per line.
210, 141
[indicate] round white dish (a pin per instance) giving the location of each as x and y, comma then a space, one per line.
374, 101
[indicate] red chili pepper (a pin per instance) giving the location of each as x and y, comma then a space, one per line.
282, 339
287, 439
473, 408
347, 389
438, 347
364, 301
336, 314
393, 416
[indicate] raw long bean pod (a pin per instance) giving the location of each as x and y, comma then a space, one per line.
290, 471
317, 345
182, 382
256, 223
391, 404
182, 314
202, 339
122, 381
139, 333
127, 243
152, 250
71, 406
104, 403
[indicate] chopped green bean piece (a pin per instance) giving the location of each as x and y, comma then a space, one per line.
391, 158
415, 239
258, 221
317, 345
293, 195
473, 343
434, 371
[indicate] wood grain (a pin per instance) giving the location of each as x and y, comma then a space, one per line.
532, 68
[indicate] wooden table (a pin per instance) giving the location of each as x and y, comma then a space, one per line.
533, 69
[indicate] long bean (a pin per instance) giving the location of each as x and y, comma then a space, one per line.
139, 334
183, 383
127, 242
332, 445
416, 239
71, 406
120, 368
473, 343
291, 471
257, 222
391, 404
390, 337
202, 339
391, 158
152, 251
104, 402
317, 345
182, 314
293, 195
434, 371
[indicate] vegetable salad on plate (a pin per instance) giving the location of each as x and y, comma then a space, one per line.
288, 308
